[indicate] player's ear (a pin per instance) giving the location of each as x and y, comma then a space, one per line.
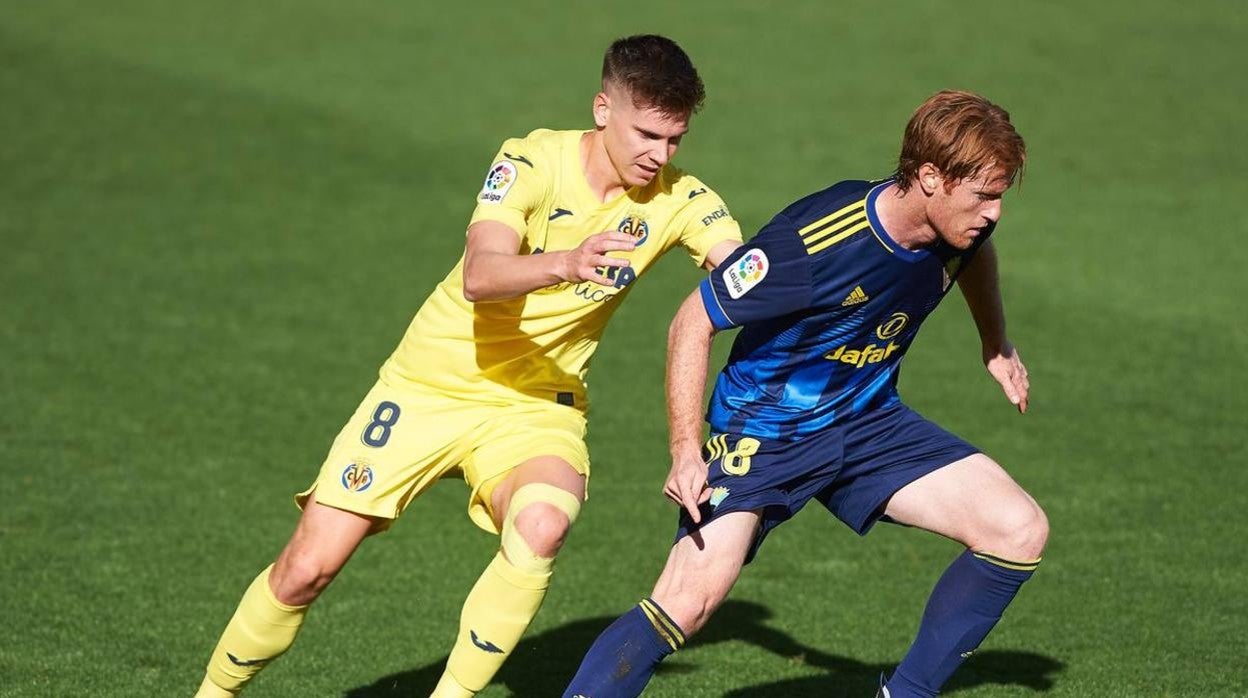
602, 107
930, 178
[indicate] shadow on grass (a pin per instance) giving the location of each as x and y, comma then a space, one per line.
544, 663
850, 678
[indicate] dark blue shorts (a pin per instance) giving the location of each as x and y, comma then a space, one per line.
852, 469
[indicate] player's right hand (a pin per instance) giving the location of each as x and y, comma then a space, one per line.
1007, 368
583, 262
686, 485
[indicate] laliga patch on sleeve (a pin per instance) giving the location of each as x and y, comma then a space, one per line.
746, 273
499, 179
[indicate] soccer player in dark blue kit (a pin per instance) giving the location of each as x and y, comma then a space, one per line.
829, 296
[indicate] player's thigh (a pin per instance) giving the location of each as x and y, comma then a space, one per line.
975, 502
702, 567
544, 470
394, 447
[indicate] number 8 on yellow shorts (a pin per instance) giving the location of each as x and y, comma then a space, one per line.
402, 440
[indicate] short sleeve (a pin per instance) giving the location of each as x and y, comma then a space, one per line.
765, 278
707, 223
514, 186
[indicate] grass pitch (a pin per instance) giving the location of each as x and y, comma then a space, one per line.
216, 221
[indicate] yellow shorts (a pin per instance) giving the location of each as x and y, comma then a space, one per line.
400, 441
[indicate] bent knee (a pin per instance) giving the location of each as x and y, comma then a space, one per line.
543, 527
1018, 532
1037, 532
690, 605
694, 583
298, 578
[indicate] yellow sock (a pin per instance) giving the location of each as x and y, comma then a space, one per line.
208, 689
495, 615
262, 629
448, 687
504, 599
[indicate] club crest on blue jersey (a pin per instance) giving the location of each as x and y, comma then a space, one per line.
892, 326
357, 477
636, 226
499, 179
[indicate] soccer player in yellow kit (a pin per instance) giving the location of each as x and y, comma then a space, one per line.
489, 378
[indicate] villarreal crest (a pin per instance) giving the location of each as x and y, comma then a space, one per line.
357, 477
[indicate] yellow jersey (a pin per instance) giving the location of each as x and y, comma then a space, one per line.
538, 346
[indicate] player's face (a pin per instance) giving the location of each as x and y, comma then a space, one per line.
639, 140
964, 212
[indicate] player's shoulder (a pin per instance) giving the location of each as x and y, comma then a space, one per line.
677, 181
846, 194
680, 187
834, 219
540, 149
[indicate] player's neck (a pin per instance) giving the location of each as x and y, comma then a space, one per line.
604, 182
904, 217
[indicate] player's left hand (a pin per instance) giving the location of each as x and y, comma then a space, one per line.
1008, 369
686, 484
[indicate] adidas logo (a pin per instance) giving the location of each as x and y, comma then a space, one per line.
855, 297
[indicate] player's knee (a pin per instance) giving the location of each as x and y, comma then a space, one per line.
690, 594
690, 605
544, 527
1020, 532
298, 578
536, 525
1035, 533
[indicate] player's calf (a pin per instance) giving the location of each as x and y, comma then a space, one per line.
700, 572
973, 501
510, 591
965, 605
271, 611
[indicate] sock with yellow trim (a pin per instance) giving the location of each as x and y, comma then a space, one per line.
262, 629
621, 661
963, 608
504, 600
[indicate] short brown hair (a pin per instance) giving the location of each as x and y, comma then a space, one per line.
656, 72
962, 134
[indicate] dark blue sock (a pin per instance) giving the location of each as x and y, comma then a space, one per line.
966, 603
624, 657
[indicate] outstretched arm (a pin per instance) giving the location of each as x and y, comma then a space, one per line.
688, 354
981, 287
494, 270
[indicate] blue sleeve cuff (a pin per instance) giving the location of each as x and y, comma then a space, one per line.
713, 309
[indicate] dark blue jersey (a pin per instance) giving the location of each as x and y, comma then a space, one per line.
828, 304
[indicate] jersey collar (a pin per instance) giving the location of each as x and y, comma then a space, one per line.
572, 165
882, 234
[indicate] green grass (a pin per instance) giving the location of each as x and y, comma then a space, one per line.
216, 221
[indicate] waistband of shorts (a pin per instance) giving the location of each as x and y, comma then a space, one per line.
500, 396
